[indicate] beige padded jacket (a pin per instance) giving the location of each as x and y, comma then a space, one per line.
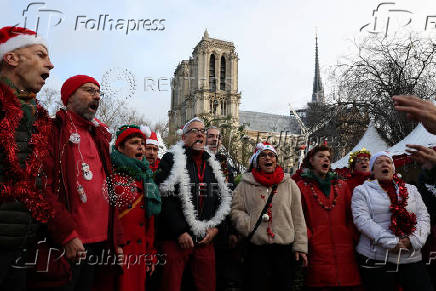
288, 224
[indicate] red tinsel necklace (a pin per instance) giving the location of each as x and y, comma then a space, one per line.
23, 185
403, 222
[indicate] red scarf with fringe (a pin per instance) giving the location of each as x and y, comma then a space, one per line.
268, 179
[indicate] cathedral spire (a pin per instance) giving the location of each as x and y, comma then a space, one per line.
318, 90
206, 34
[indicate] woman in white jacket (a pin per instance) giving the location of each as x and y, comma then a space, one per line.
394, 226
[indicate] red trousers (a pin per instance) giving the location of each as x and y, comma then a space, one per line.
202, 263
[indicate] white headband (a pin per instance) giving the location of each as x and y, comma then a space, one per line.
260, 147
377, 155
195, 119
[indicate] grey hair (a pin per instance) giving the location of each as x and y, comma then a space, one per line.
213, 127
195, 119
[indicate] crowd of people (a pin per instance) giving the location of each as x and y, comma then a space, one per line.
79, 214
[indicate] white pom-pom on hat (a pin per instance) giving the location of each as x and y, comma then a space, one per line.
146, 130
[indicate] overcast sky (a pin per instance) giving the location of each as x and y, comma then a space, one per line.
275, 41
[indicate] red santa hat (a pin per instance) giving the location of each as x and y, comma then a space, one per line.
14, 37
125, 131
151, 136
260, 147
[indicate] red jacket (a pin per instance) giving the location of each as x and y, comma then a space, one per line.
357, 179
330, 234
139, 249
56, 165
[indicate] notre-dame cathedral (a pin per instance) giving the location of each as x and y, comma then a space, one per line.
206, 83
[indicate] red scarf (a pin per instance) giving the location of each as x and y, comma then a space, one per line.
155, 165
268, 179
403, 223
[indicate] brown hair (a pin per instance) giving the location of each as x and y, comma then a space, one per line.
136, 134
312, 152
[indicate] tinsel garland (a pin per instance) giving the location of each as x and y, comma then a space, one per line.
403, 222
22, 182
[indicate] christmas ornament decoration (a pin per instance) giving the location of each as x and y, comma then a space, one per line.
75, 138
120, 192
87, 173
82, 194
265, 217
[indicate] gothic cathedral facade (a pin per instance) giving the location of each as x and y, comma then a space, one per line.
207, 83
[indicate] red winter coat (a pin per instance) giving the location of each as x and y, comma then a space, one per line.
138, 230
330, 234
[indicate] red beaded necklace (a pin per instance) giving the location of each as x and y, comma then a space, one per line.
315, 195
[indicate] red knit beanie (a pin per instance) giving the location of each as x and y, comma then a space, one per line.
72, 84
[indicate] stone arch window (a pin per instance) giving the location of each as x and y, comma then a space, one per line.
212, 84
223, 107
223, 73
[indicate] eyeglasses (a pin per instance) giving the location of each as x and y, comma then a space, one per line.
196, 130
264, 155
218, 136
92, 91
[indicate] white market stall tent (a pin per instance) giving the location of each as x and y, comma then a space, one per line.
371, 140
419, 136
